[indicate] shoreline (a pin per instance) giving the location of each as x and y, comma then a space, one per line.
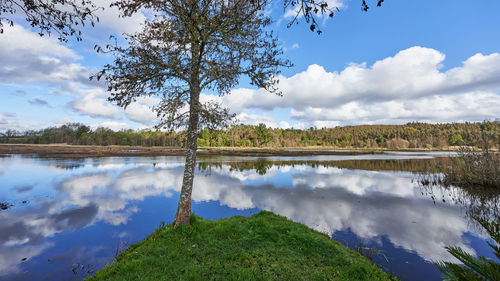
83, 151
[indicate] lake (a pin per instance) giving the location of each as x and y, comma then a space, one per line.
67, 218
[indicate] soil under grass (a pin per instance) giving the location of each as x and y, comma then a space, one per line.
264, 246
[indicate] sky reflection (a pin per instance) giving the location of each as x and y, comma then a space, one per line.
102, 201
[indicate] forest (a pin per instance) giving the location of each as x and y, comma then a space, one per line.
410, 135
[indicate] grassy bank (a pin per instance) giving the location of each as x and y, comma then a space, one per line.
262, 247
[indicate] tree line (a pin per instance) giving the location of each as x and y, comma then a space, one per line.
411, 135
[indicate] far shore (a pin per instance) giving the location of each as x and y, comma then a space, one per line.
82, 151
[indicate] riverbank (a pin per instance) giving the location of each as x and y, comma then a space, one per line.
264, 246
83, 151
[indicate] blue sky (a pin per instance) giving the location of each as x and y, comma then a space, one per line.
414, 60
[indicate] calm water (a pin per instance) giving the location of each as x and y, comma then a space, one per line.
70, 217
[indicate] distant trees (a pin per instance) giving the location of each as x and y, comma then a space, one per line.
7, 135
412, 135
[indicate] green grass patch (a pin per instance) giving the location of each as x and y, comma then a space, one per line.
264, 246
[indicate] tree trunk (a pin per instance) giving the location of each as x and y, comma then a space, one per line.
183, 215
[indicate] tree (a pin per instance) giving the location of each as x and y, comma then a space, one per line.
9, 134
263, 135
456, 139
187, 47
61, 16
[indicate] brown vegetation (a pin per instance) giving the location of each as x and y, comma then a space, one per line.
474, 169
83, 151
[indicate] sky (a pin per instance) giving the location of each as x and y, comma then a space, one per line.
414, 60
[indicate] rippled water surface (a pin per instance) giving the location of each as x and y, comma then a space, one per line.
68, 218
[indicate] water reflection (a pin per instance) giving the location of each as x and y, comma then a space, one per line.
82, 211
370, 204
478, 202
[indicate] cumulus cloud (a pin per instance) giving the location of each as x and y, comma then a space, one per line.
29, 58
406, 87
110, 19
18, 39
63, 120
113, 125
255, 119
409, 86
96, 105
141, 110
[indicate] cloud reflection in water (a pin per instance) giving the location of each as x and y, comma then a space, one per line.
371, 204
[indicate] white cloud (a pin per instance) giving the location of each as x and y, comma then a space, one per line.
140, 113
113, 125
18, 39
325, 123
141, 110
63, 120
406, 87
255, 119
409, 86
95, 105
110, 19
29, 58
284, 125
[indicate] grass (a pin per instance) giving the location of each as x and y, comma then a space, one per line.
264, 246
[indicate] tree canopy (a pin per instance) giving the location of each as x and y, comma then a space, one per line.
61, 16
65, 16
